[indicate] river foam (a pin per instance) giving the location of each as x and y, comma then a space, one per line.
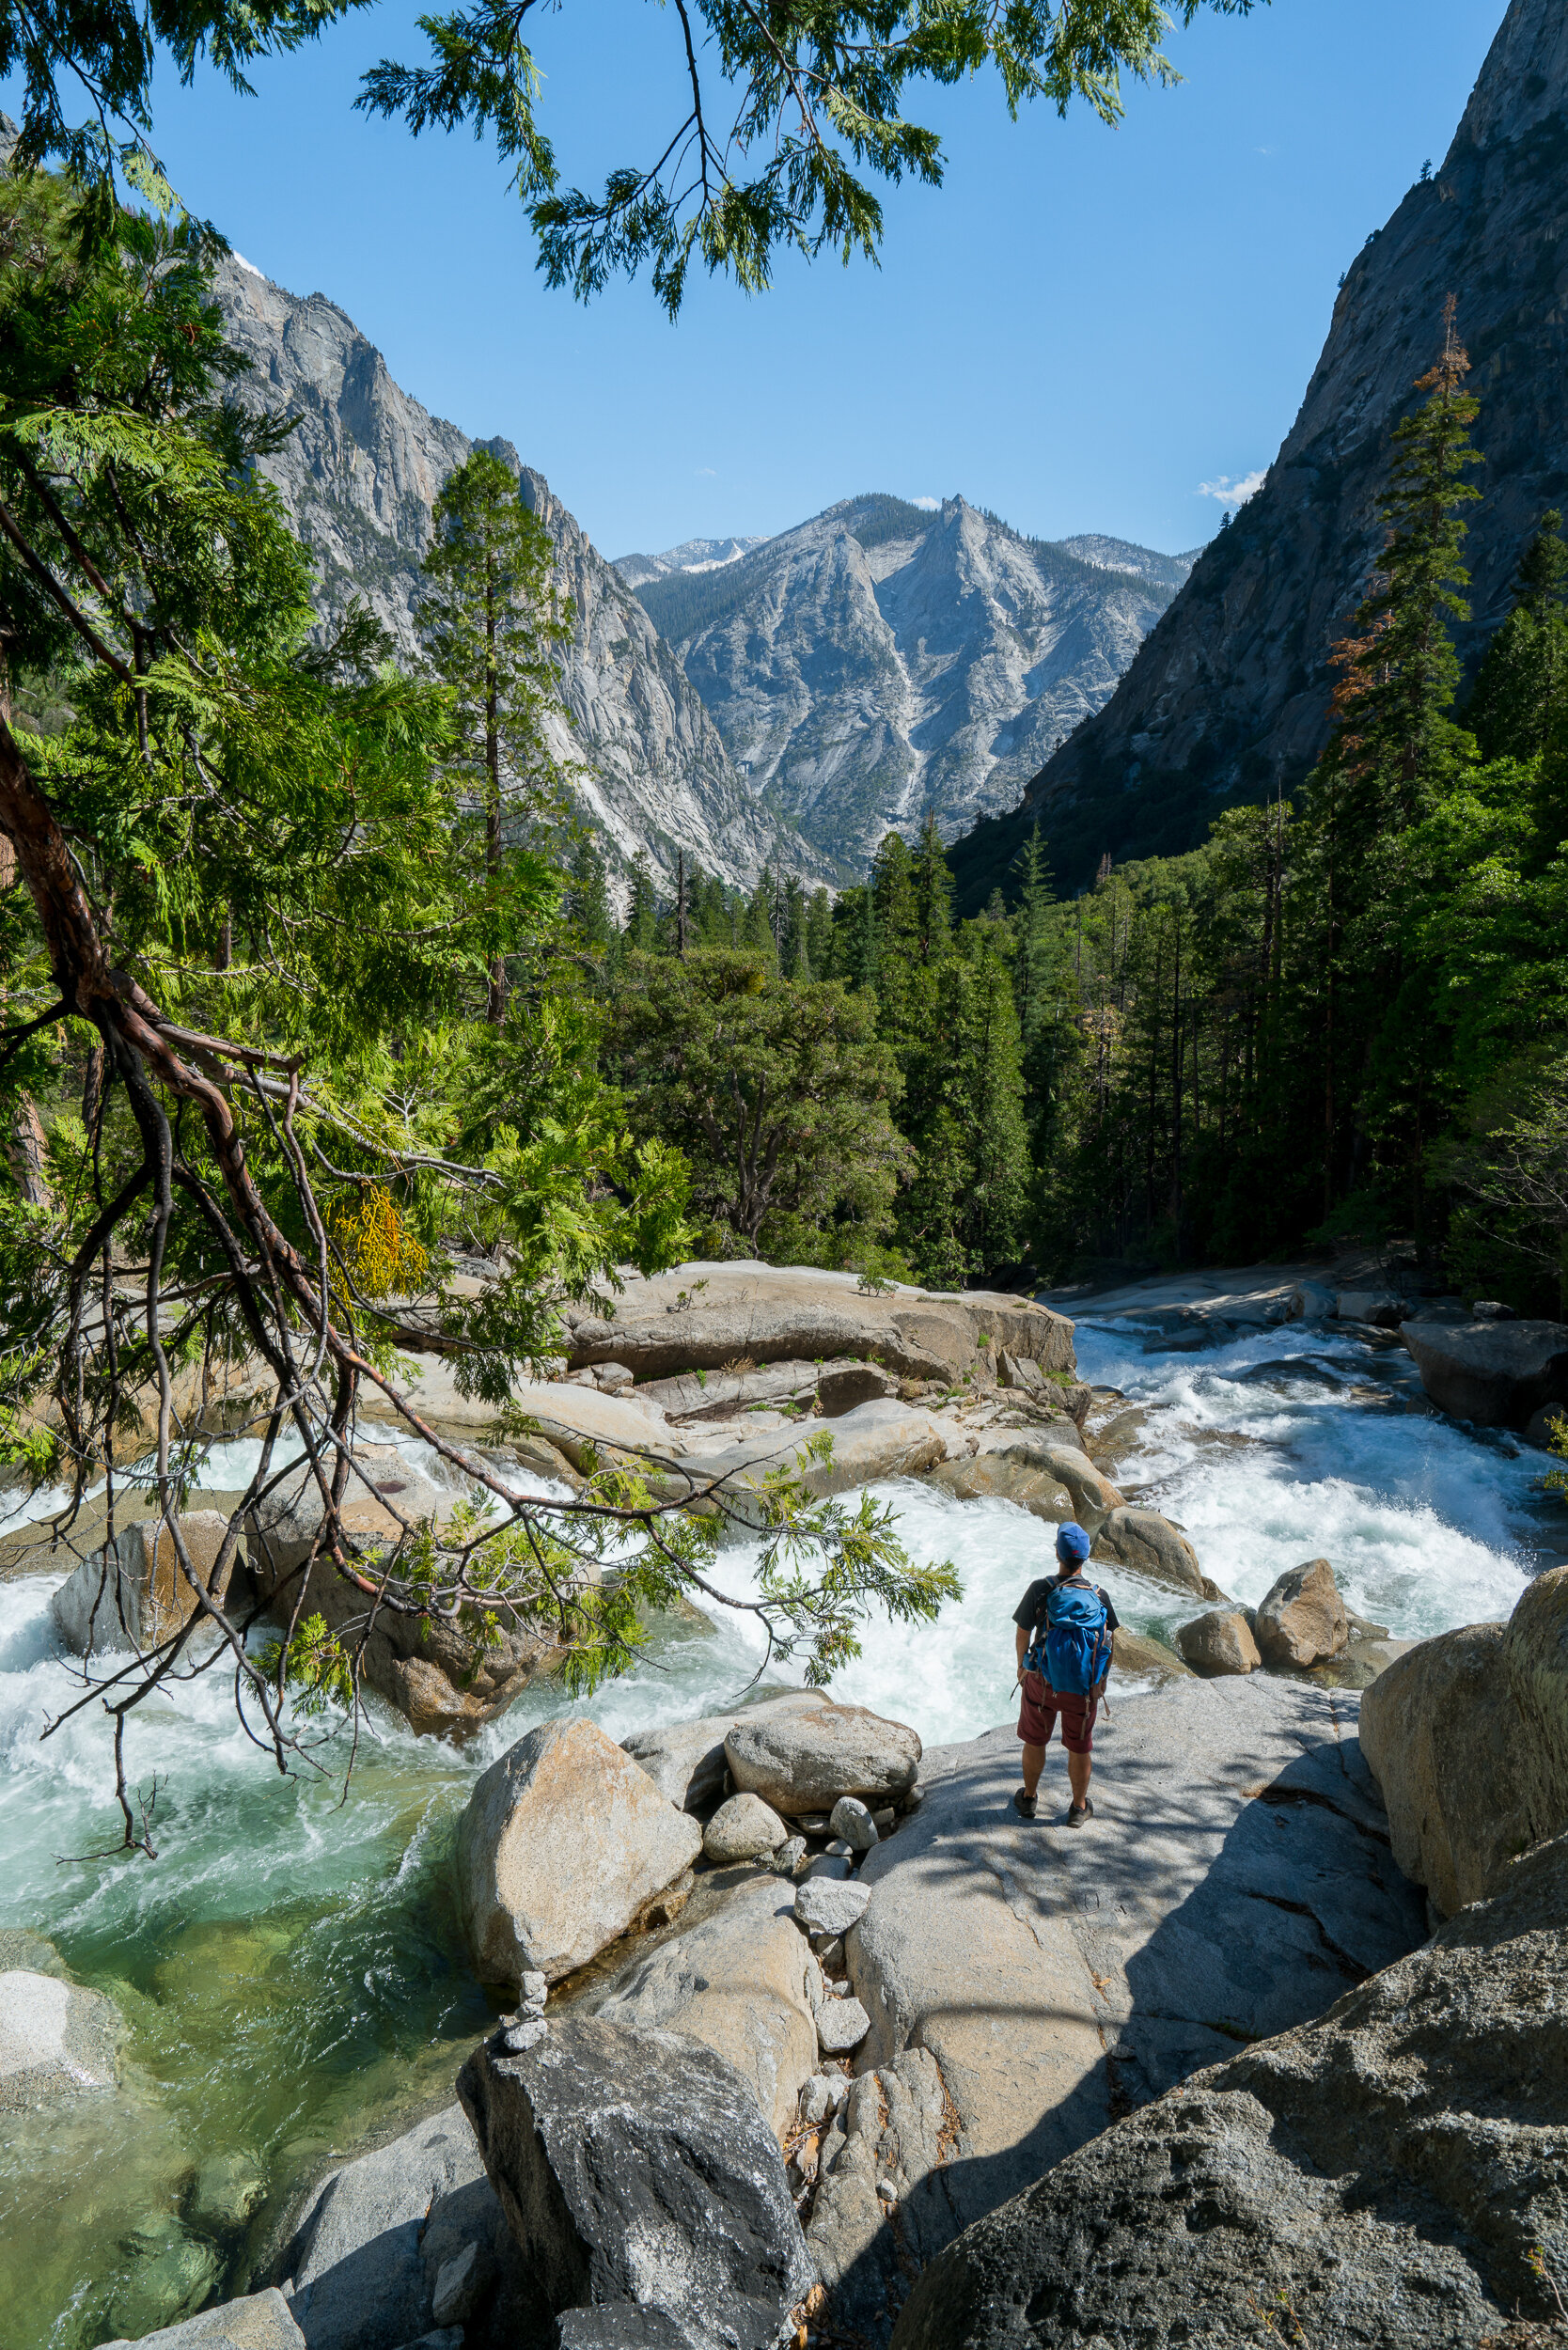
292, 1965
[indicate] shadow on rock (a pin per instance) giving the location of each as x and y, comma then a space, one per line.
1030, 1985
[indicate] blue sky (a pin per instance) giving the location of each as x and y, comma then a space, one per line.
1081, 329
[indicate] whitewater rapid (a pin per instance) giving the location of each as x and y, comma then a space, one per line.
292, 1966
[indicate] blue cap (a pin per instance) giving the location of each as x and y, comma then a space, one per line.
1072, 1543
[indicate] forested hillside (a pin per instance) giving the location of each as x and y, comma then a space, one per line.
1344, 1015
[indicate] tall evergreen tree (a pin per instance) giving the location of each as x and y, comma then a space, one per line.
643, 913
819, 933
1398, 670
490, 622
1522, 685
1032, 934
934, 893
898, 923
757, 930
794, 954
586, 902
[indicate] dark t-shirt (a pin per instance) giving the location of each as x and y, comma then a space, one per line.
1031, 1612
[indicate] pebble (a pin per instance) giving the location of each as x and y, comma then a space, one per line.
830, 1949
787, 1858
839, 1850
517, 2037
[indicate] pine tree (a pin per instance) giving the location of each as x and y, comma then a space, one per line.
1522, 685
1031, 934
490, 622
794, 953
934, 893
893, 900
757, 930
1398, 670
819, 932
642, 914
586, 902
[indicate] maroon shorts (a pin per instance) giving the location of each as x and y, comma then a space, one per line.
1037, 1715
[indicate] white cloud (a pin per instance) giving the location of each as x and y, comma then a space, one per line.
927, 505
707, 473
1235, 492
244, 265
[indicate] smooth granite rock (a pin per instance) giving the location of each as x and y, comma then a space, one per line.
841, 2026
637, 2172
1497, 1372
692, 1396
803, 1763
841, 1391
1005, 1477
744, 1982
873, 1442
260, 2321
1133, 1653
361, 2281
134, 1593
1026, 1982
1219, 1642
743, 1828
851, 1821
446, 1678
1391, 2175
1301, 1619
563, 1844
768, 1314
1148, 1543
1061, 1458
1535, 1654
1467, 1735
685, 1759
829, 1905
55, 2039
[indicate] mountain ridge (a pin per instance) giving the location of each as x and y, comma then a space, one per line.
1227, 701
358, 478
879, 659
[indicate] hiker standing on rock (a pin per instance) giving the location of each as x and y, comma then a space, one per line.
1065, 1625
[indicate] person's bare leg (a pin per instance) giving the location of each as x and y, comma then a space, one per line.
1078, 1769
1034, 1762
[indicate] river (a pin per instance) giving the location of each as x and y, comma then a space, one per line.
291, 1967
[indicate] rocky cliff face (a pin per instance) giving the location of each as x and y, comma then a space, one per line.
359, 477
1228, 697
881, 660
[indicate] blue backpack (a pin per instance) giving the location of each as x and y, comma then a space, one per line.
1077, 1644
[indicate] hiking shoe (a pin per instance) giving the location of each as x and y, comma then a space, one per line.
1026, 1805
1079, 1812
